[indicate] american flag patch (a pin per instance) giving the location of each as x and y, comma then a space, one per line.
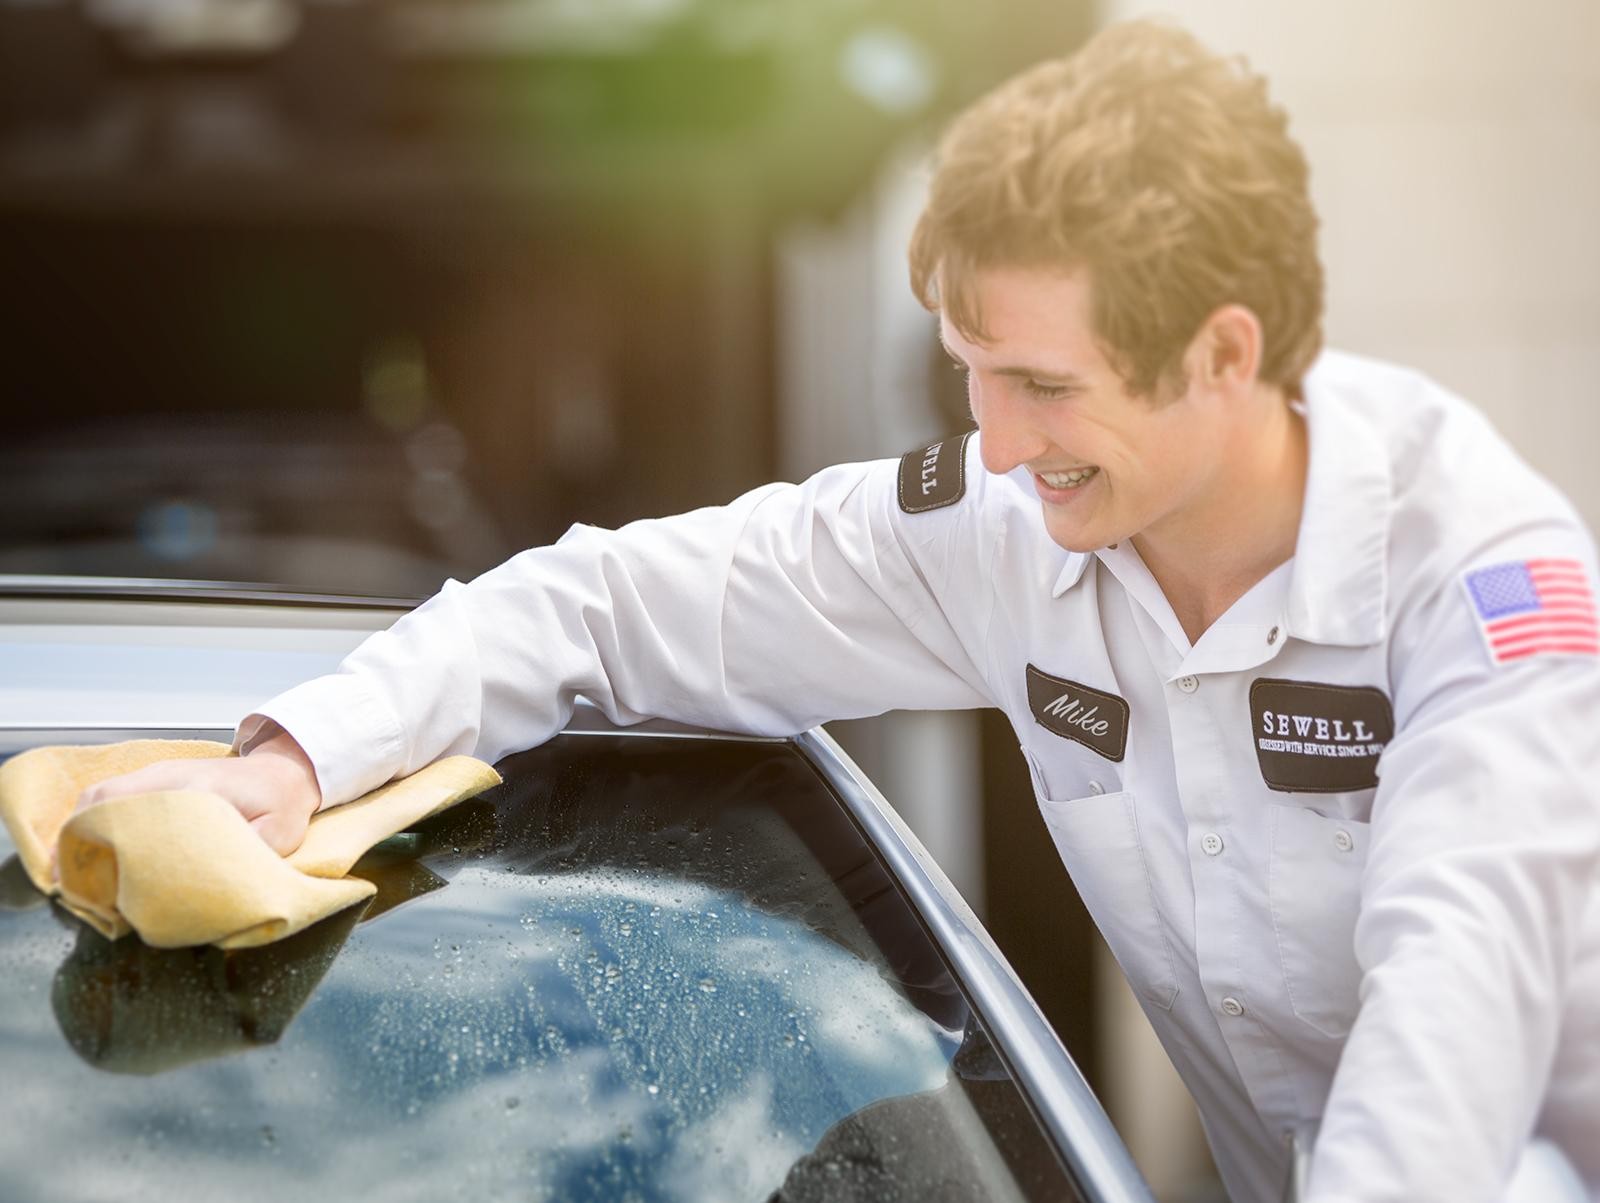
1535, 608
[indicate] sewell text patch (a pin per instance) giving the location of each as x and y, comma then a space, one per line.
1319, 739
931, 477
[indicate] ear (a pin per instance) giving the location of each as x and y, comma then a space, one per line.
1225, 353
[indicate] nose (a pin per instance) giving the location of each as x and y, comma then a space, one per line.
1008, 435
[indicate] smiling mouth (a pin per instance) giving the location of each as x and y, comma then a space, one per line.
1068, 480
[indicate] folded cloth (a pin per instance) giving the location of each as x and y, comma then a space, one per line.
183, 867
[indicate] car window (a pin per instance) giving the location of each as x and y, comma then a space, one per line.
319, 503
643, 968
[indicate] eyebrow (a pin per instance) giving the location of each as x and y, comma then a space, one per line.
1068, 379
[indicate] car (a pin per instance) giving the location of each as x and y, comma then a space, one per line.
655, 963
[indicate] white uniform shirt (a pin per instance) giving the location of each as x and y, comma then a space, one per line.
1404, 949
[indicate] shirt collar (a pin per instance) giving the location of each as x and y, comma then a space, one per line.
1339, 578
1338, 590
1071, 572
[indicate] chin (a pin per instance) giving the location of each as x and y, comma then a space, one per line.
1076, 540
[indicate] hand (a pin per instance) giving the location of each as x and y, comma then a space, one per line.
274, 787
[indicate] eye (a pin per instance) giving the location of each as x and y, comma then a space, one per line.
1047, 392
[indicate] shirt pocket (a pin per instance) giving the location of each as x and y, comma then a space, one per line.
1314, 886
1097, 838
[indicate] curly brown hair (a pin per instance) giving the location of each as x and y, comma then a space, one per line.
1162, 169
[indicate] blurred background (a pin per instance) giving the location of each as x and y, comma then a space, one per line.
357, 295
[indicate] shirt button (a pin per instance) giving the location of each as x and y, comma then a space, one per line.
1233, 1007
1342, 841
1272, 635
1188, 684
1096, 788
1211, 843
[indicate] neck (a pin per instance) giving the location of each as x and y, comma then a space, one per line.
1214, 551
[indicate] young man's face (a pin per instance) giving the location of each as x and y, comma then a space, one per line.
1045, 397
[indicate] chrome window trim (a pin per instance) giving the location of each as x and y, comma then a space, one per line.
19, 737
1095, 1155
587, 719
150, 589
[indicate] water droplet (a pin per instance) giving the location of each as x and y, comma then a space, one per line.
708, 986
653, 1089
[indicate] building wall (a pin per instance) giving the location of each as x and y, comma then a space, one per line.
1455, 156
853, 356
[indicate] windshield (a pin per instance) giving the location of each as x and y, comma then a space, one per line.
643, 968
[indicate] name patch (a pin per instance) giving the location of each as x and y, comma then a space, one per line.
1319, 739
931, 477
1095, 719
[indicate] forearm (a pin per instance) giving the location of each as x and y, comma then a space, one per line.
1474, 909
793, 604
1443, 1073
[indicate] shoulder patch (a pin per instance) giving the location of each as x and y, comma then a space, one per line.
1540, 607
934, 477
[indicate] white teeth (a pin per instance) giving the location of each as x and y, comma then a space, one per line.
1067, 480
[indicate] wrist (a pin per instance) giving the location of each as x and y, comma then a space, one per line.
292, 769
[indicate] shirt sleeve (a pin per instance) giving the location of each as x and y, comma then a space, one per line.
1483, 861
792, 605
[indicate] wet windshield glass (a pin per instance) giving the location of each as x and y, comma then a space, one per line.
641, 969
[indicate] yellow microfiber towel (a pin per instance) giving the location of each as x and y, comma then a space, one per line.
183, 867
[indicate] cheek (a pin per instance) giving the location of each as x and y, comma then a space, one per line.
1161, 454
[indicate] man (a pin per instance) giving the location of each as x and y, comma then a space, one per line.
1303, 659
